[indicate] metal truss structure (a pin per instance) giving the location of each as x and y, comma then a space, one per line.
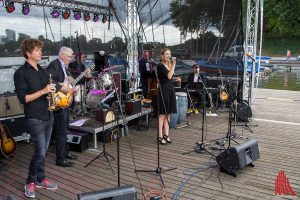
67, 4
132, 31
250, 47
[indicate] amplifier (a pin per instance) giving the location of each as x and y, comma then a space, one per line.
238, 157
105, 116
78, 141
133, 106
10, 106
16, 125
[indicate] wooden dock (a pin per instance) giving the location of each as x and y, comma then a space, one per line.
197, 176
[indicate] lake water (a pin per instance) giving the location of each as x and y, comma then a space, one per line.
281, 79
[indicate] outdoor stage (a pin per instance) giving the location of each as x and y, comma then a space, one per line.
275, 112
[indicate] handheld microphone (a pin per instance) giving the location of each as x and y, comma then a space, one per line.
250, 56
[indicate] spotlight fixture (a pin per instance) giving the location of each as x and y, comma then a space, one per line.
10, 7
77, 14
87, 16
104, 19
66, 14
96, 18
25, 9
55, 13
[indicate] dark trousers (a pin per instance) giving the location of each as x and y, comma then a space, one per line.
40, 133
144, 83
61, 120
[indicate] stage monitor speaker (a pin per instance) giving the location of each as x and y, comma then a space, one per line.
236, 158
10, 106
118, 193
78, 141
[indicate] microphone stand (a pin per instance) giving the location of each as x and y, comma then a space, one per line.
159, 169
200, 147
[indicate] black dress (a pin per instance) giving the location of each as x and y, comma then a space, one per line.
168, 105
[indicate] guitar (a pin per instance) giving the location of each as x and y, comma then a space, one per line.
62, 100
8, 144
224, 95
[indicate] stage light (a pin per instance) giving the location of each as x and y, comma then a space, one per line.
25, 9
55, 13
66, 14
104, 19
10, 7
96, 18
77, 14
87, 16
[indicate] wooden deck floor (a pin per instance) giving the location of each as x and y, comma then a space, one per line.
277, 133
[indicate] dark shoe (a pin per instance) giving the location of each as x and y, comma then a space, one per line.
167, 139
64, 163
71, 157
162, 141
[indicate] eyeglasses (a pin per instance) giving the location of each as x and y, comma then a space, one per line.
69, 56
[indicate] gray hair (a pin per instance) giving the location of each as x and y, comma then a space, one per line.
65, 50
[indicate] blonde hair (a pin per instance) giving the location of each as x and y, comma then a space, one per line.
162, 52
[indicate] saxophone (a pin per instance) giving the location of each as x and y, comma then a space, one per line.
51, 97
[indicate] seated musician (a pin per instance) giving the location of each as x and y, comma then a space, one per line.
77, 66
196, 76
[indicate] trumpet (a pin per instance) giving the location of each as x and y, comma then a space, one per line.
51, 97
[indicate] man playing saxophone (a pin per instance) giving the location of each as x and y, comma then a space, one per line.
60, 74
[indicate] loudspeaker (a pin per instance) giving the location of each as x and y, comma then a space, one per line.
78, 141
16, 126
236, 158
133, 106
10, 106
118, 82
118, 193
243, 112
104, 116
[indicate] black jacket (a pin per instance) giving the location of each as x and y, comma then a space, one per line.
58, 76
203, 78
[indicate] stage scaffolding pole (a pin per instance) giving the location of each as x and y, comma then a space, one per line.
250, 47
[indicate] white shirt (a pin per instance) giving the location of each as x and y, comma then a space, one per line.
64, 69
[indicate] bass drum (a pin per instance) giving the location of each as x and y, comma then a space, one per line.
94, 97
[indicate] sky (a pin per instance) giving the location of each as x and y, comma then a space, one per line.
34, 25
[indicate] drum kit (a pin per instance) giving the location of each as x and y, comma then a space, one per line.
90, 94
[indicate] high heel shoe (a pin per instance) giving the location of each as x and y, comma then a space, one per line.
167, 138
162, 141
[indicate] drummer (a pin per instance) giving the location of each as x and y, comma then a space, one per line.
77, 66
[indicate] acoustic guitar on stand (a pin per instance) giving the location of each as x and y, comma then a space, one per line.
8, 144
224, 95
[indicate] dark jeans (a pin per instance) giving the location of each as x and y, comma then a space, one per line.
40, 133
61, 120
144, 83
